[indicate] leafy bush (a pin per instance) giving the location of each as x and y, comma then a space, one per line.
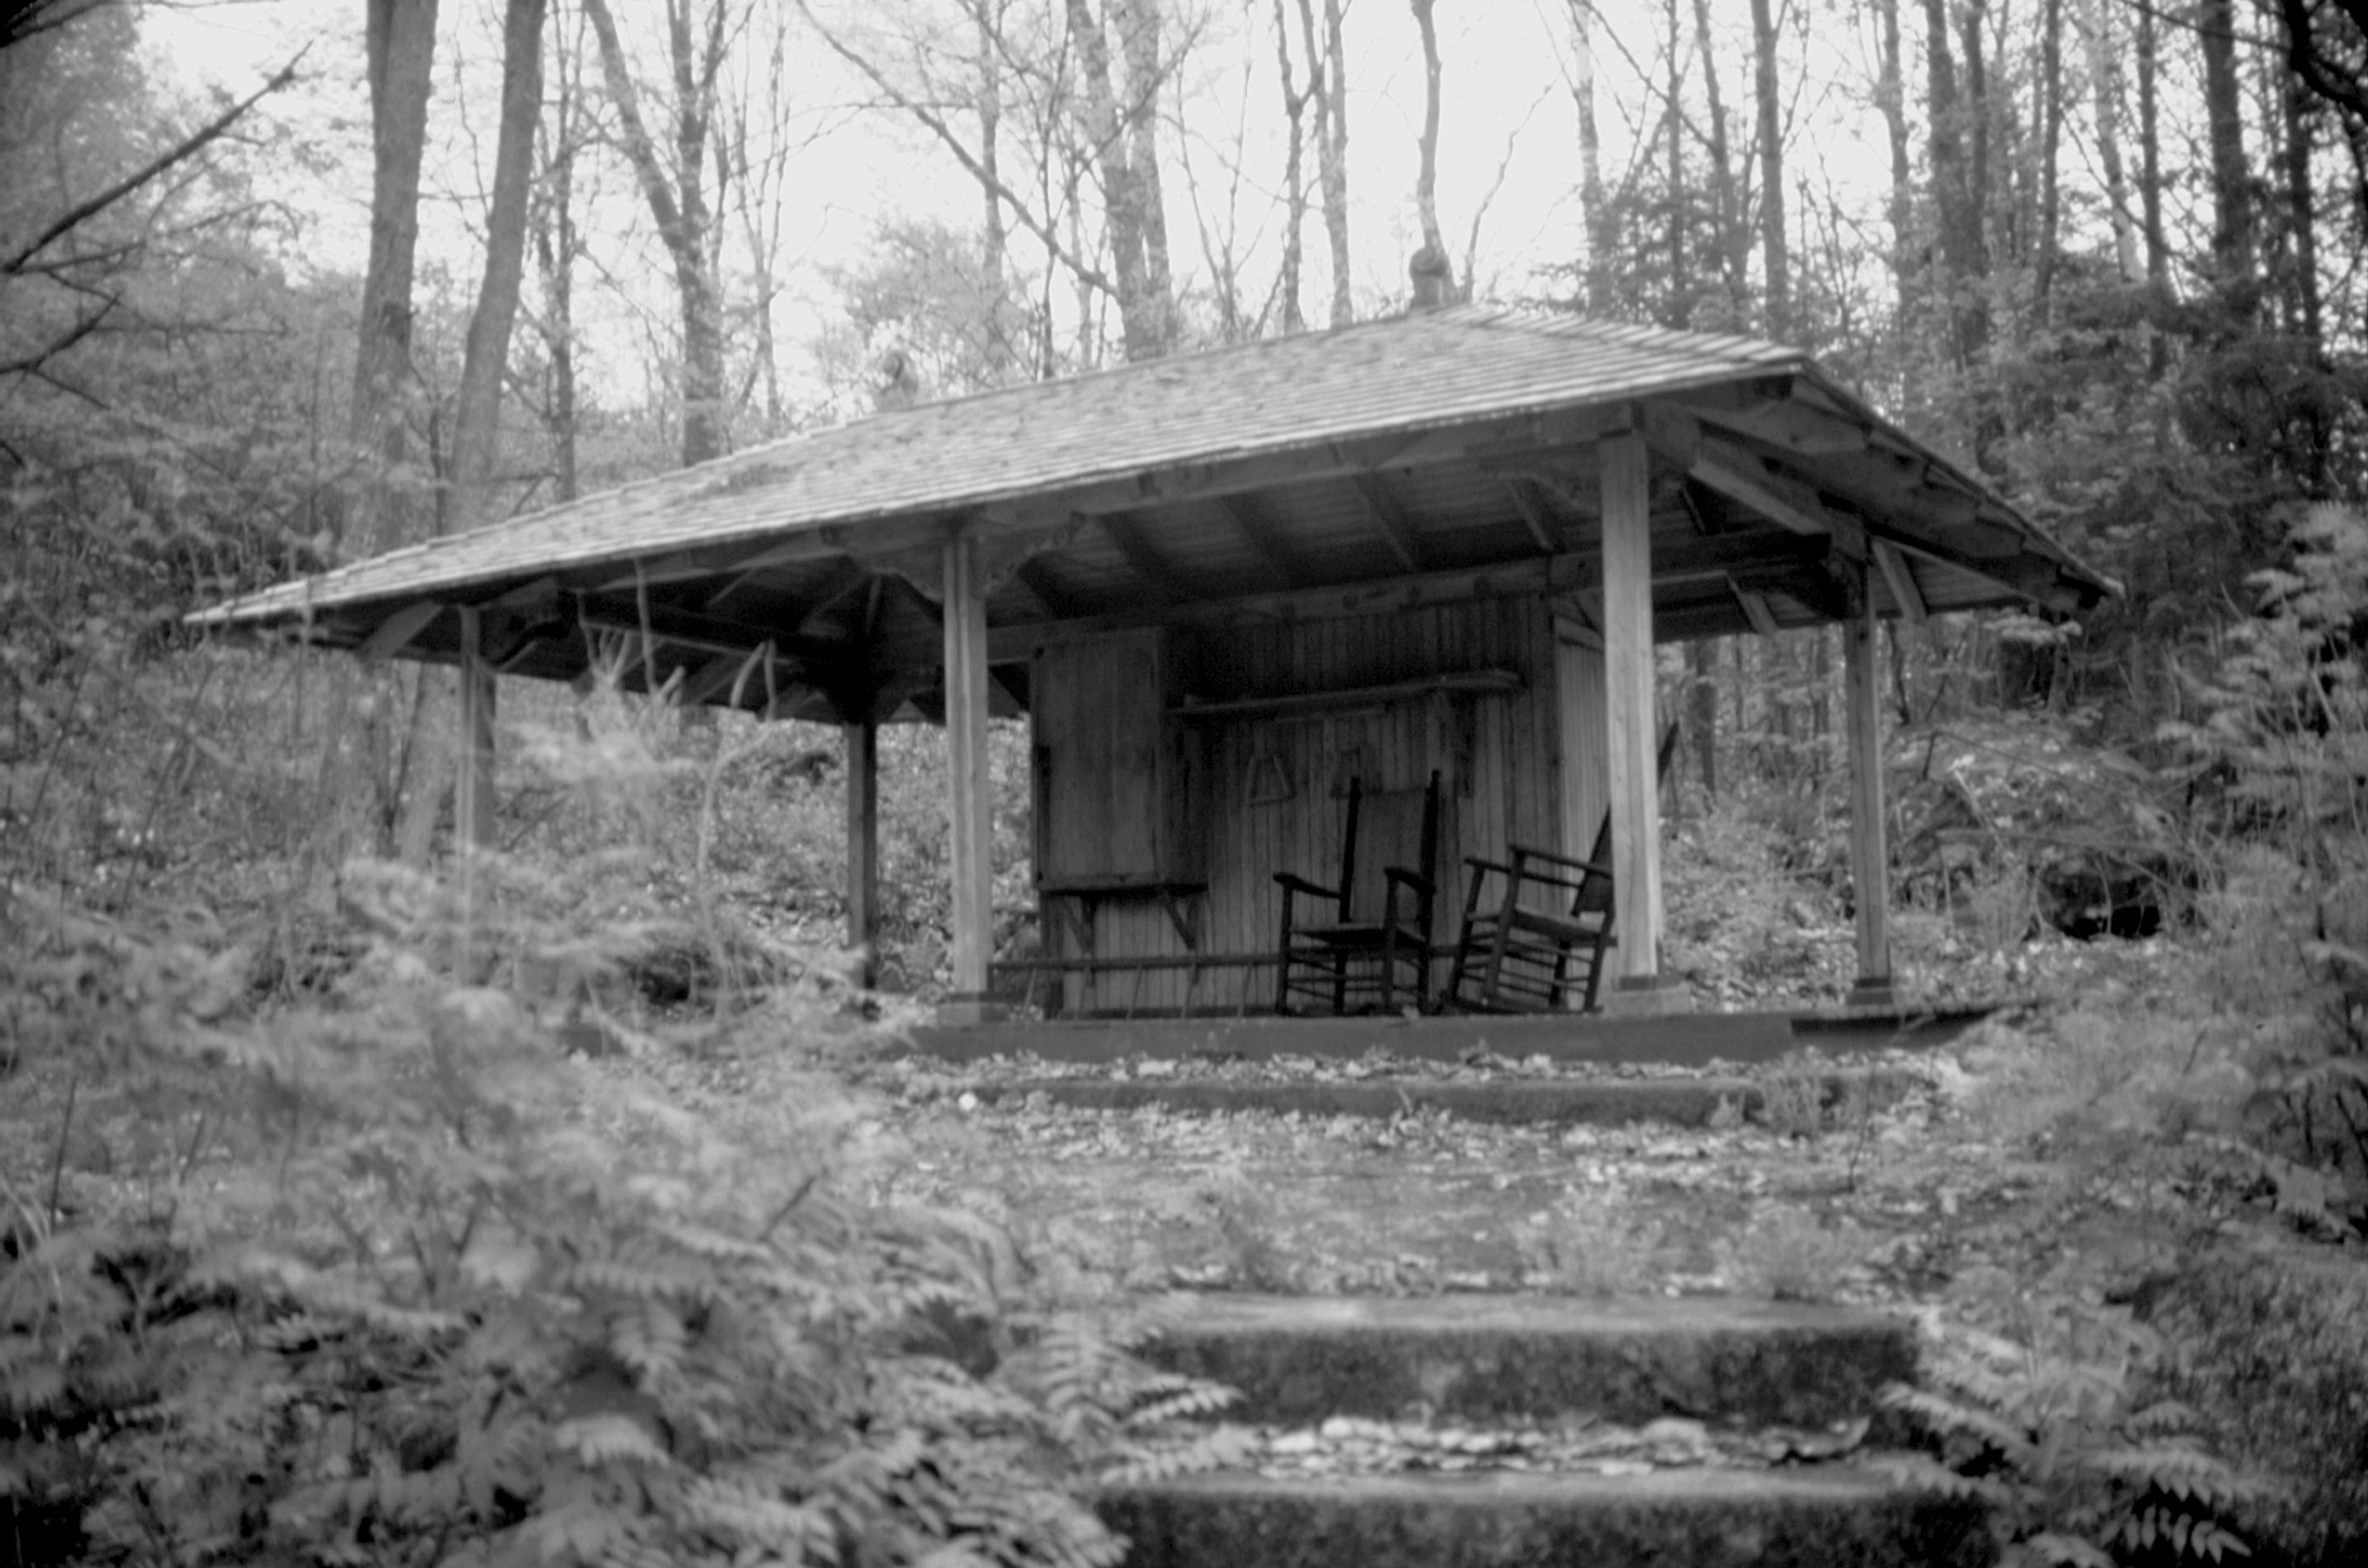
1593, 1245
408, 1282
2056, 1431
1785, 1253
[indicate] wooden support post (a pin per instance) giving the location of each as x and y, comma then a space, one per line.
864, 848
1870, 837
968, 801
1633, 729
472, 791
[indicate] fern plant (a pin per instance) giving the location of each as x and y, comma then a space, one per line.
439, 1292
2052, 1432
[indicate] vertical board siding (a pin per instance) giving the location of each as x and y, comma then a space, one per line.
1500, 756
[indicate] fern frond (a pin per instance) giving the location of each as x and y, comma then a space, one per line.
749, 1517
1226, 1447
1920, 1473
596, 1440
1195, 1399
1947, 1416
2175, 1469
650, 1339
2067, 1551
2162, 1418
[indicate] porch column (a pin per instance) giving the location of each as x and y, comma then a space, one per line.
968, 801
1633, 729
863, 846
1869, 837
472, 788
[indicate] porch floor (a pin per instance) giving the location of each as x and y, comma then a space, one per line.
1682, 1039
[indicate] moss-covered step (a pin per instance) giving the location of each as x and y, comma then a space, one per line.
1825, 1517
1608, 1102
1718, 1359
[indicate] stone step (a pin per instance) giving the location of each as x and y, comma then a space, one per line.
1717, 1359
1610, 1102
1825, 1515
1691, 1040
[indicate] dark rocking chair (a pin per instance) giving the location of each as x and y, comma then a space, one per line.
1539, 944
1365, 943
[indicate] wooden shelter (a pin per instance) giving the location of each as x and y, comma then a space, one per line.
1226, 584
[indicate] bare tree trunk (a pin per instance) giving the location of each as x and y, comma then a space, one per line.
1124, 202
2051, 139
401, 44
677, 201
1702, 712
1891, 98
1332, 150
2157, 249
2301, 215
477, 413
476, 419
1147, 76
2105, 81
1776, 258
360, 782
995, 233
555, 259
1590, 159
1426, 178
1957, 195
1726, 208
1295, 101
1680, 309
2234, 247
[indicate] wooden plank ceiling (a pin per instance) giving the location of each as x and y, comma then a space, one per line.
1446, 455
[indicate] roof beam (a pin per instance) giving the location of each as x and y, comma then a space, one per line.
399, 631
1237, 510
1755, 608
1048, 591
848, 578
723, 673
1742, 476
1537, 514
702, 633
1146, 562
1901, 581
1390, 518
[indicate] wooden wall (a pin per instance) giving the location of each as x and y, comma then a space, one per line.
1276, 782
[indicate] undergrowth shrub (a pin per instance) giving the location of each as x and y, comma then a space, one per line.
1784, 1251
406, 1282
1594, 1245
2059, 1427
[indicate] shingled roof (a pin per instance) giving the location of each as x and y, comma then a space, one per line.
1444, 441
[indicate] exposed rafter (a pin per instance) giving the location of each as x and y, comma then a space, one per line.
1901, 580
847, 579
1146, 562
1754, 604
1391, 519
1257, 536
1537, 514
398, 630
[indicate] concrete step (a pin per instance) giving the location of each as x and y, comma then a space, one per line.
1692, 1040
1610, 1102
1823, 1515
1716, 1360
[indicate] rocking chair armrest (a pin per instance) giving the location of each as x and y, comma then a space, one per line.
1291, 882
1482, 863
1567, 862
1414, 879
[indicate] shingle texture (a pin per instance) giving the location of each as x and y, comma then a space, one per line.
1409, 374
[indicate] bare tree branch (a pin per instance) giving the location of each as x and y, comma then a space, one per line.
82, 212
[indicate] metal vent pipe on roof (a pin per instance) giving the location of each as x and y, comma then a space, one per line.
1434, 279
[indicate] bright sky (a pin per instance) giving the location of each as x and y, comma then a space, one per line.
1509, 128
